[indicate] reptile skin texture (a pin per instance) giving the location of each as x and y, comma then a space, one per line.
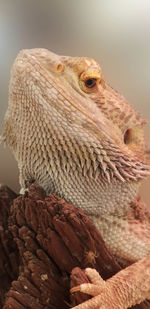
78, 138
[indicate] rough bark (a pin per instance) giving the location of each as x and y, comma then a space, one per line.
8, 249
44, 244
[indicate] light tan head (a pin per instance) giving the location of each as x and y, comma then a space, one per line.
65, 105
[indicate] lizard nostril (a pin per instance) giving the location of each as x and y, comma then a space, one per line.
59, 68
128, 136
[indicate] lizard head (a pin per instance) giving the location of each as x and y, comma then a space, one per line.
64, 107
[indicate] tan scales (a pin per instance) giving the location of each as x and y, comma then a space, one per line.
80, 139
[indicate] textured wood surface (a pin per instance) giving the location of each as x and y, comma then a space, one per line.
44, 243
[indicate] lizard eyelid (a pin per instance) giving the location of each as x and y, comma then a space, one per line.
88, 80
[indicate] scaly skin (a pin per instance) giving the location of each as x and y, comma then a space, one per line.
127, 288
80, 139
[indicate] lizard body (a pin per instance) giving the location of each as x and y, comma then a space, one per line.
80, 139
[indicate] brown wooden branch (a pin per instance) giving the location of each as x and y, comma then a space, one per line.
8, 249
45, 243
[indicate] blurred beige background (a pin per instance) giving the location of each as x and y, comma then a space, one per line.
115, 32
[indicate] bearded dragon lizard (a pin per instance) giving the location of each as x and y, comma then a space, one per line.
80, 139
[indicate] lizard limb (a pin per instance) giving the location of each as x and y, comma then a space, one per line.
125, 289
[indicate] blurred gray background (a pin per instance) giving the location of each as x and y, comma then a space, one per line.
114, 32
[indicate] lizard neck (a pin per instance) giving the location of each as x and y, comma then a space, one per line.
95, 197
113, 198
127, 237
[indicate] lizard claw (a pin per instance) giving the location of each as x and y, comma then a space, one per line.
128, 287
96, 288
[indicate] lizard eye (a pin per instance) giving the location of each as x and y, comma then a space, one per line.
90, 82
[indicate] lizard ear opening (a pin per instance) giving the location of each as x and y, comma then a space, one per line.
133, 136
128, 136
